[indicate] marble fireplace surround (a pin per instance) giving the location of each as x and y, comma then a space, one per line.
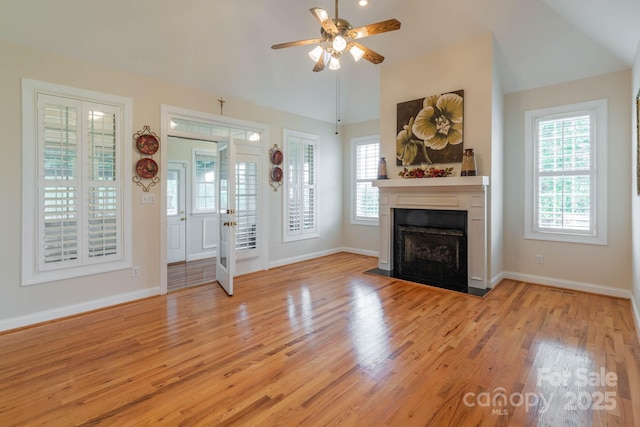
467, 193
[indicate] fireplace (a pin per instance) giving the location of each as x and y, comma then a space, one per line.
431, 247
457, 221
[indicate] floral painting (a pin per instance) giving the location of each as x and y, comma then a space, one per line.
429, 130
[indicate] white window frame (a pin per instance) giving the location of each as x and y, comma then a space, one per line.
32, 273
597, 234
355, 143
307, 140
195, 183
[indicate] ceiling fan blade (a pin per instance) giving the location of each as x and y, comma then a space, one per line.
377, 28
319, 65
322, 16
296, 43
370, 55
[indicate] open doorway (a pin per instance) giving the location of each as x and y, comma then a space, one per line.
192, 218
181, 130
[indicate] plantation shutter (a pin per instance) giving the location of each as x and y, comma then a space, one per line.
294, 180
565, 174
79, 192
102, 188
366, 158
246, 205
309, 187
300, 186
59, 182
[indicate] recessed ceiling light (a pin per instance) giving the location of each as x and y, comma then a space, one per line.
363, 2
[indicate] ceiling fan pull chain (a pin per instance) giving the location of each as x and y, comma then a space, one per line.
337, 100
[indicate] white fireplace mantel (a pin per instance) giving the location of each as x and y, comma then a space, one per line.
448, 182
467, 193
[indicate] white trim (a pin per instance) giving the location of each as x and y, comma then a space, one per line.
636, 316
201, 255
305, 257
357, 251
591, 288
301, 235
355, 142
314, 255
70, 310
496, 279
30, 218
599, 108
168, 111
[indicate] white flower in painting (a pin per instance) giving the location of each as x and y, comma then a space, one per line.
440, 121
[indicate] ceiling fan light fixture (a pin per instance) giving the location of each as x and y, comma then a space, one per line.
316, 53
356, 52
339, 43
334, 63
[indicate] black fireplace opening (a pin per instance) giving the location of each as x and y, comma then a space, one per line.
430, 247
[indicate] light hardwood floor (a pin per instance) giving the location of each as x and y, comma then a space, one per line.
181, 275
321, 343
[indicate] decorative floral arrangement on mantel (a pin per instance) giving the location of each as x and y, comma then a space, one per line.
425, 173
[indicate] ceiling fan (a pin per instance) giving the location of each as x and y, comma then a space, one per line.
338, 37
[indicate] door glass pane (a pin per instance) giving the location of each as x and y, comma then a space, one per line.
172, 193
224, 182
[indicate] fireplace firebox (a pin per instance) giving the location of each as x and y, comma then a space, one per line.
430, 247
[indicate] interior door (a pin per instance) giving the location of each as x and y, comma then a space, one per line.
176, 212
225, 261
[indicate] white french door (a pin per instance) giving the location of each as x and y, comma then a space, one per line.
226, 260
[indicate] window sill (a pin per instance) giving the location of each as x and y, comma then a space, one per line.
369, 223
566, 238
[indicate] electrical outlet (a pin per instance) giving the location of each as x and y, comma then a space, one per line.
539, 259
135, 271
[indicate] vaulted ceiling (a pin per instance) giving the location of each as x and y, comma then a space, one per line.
223, 46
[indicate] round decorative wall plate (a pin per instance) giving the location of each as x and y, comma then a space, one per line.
276, 174
147, 144
146, 168
276, 156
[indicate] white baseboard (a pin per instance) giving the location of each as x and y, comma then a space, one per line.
496, 279
305, 257
357, 251
636, 315
568, 284
70, 310
201, 255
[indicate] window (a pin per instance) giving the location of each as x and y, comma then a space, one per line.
204, 183
365, 154
300, 186
246, 202
75, 222
565, 179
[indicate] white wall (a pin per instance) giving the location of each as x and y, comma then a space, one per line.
468, 65
23, 305
357, 238
496, 188
577, 265
635, 199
